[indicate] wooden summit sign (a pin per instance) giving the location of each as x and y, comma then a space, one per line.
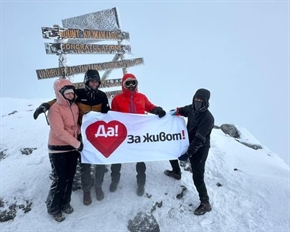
70, 70
72, 48
63, 33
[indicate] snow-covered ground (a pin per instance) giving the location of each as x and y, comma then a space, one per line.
253, 192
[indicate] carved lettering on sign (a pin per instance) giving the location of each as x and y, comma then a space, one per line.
63, 33
68, 48
70, 70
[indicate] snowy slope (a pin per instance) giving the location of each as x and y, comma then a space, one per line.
254, 195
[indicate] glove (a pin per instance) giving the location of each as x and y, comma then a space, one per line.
161, 113
41, 109
81, 147
158, 111
183, 157
79, 138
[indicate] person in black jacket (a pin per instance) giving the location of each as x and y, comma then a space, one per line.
199, 125
89, 98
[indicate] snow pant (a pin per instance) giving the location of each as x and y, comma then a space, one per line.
86, 178
140, 169
197, 164
64, 167
175, 166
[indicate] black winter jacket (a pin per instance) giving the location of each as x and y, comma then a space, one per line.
91, 101
199, 124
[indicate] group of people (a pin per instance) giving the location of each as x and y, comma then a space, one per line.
65, 141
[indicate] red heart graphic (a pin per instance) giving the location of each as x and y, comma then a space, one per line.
106, 137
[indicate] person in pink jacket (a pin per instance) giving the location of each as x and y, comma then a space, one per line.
63, 148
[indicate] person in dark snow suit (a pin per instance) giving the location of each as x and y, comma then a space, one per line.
199, 125
88, 99
131, 101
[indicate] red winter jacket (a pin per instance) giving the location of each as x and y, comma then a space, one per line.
131, 102
63, 119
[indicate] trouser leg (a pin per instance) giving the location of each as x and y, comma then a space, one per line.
141, 176
86, 178
55, 196
115, 172
198, 164
71, 163
52, 174
77, 176
99, 173
175, 166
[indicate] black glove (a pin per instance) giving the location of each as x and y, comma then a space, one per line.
41, 109
190, 152
183, 157
158, 111
79, 138
81, 147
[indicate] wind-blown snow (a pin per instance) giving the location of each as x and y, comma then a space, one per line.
254, 195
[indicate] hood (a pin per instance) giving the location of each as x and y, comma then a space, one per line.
126, 77
57, 86
203, 94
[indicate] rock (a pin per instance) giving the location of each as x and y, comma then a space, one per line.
230, 130
219, 184
157, 204
143, 223
10, 213
7, 215
3, 154
27, 151
250, 145
181, 194
13, 112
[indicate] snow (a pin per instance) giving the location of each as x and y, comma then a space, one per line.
254, 195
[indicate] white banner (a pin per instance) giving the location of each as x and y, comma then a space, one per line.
124, 138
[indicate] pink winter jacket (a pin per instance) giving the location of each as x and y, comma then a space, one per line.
63, 119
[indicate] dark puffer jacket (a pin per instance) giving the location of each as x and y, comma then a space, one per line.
200, 122
91, 101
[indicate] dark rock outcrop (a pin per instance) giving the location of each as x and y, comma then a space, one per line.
143, 222
230, 130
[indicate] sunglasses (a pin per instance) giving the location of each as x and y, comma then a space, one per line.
131, 83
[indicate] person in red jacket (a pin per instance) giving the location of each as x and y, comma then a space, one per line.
63, 148
131, 101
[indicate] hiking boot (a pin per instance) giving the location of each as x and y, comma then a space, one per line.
99, 194
58, 217
202, 209
113, 186
87, 200
68, 209
175, 175
140, 190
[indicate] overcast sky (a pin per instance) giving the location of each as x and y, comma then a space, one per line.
239, 50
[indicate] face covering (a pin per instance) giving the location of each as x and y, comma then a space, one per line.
197, 105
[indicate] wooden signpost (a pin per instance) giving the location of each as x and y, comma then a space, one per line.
79, 35
70, 48
70, 70
64, 33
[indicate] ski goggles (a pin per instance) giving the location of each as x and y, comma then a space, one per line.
130, 83
66, 87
